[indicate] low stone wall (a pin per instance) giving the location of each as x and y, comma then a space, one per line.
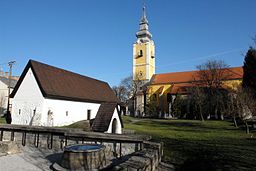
112, 150
146, 159
123, 152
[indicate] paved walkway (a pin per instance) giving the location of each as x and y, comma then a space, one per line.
30, 159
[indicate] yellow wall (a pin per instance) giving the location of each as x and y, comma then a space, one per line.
161, 91
233, 84
152, 61
161, 96
140, 63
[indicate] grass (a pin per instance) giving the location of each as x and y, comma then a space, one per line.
84, 125
2, 120
196, 145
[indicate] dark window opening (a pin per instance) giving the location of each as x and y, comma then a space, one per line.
88, 114
169, 97
140, 53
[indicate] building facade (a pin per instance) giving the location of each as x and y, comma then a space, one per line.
143, 62
50, 96
4, 88
161, 89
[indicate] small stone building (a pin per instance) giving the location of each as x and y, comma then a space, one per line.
50, 96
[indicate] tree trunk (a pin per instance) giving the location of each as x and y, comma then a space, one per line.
234, 120
216, 113
135, 106
247, 128
201, 115
222, 116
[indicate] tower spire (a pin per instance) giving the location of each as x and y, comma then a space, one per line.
144, 16
143, 34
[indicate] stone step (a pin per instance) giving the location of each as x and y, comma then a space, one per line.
165, 167
144, 160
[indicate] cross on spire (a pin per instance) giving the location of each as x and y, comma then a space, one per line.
144, 16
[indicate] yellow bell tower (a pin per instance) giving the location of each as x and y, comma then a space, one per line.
143, 52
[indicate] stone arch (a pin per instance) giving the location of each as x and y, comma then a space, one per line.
114, 126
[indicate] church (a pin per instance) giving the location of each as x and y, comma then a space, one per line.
162, 89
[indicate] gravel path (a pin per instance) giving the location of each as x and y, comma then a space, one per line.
30, 159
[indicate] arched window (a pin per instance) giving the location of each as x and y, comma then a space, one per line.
114, 126
140, 53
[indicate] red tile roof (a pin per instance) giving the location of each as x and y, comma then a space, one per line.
188, 76
58, 83
180, 88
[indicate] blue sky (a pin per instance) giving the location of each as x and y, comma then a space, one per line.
95, 37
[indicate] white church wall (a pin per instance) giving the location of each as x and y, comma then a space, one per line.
63, 112
118, 124
27, 103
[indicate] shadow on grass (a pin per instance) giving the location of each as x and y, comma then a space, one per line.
188, 126
210, 156
217, 146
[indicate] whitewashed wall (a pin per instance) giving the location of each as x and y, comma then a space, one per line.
3, 94
118, 126
67, 112
28, 102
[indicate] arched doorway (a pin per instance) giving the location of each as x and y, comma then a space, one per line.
49, 118
114, 126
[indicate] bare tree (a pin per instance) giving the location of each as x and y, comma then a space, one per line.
246, 105
120, 92
128, 89
212, 75
198, 98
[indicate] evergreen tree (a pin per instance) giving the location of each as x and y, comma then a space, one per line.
249, 77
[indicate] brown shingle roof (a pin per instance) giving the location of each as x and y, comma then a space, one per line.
187, 77
103, 117
61, 84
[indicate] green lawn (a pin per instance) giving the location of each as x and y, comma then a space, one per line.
2, 120
196, 145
